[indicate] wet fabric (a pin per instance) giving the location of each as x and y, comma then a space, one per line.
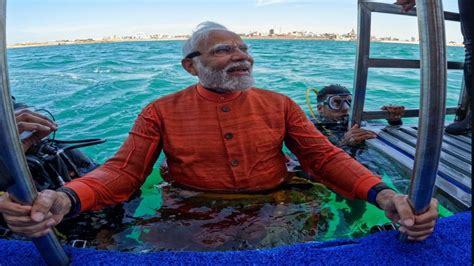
229, 142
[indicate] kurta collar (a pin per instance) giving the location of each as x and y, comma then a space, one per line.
217, 97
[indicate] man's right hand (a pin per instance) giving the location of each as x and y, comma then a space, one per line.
356, 135
47, 211
38, 124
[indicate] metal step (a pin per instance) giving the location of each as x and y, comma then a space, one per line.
406, 63
371, 115
446, 148
455, 167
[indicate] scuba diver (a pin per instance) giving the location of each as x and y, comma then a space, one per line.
333, 104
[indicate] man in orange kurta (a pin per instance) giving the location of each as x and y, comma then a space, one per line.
221, 135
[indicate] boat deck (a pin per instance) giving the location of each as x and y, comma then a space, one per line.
455, 166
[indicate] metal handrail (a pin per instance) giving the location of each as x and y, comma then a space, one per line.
13, 166
406, 63
432, 102
378, 7
364, 62
433, 64
370, 115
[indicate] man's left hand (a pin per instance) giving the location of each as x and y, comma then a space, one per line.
356, 135
395, 112
396, 207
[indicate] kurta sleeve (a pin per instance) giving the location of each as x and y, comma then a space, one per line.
327, 163
123, 174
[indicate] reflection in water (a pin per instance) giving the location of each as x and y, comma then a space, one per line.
190, 220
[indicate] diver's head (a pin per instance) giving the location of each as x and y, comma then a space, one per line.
219, 58
334, 102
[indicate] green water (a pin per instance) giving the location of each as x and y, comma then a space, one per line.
97, 90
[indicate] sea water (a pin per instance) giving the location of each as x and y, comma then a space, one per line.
97, 90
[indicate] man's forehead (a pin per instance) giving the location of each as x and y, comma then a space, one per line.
219, 37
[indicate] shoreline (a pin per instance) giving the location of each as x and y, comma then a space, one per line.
279, 38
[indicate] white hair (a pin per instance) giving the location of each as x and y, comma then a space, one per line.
200, 33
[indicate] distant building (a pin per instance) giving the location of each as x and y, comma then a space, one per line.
272, 32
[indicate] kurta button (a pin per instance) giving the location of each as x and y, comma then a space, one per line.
225, 109
234, 162
228, 135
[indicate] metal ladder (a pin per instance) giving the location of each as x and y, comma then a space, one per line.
428, 136
364, 61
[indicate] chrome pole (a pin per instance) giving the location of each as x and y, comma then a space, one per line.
432, 104
13, 166
362, 61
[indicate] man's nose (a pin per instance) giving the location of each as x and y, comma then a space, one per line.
345, 106
239, 55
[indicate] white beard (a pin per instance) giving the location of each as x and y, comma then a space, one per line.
220, 81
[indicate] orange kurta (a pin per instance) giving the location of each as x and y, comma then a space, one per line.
228, 142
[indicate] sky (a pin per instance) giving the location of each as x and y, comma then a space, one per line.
48, 20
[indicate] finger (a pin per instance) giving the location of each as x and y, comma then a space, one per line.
40, 234
362, 138
364, 134
401, 2
361, 131
422, 227
37, 228
355, 126
22, 221
415, 234
7, 206
417, 238
26, 114
42, 205
32, 117
407, 218
409, 6
430, 215
384, 107
27, 126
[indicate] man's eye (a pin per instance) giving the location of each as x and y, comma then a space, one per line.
337, 101
223, 50
244, 48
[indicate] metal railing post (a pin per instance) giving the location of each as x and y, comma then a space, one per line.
432, 103
13, 167
362, 61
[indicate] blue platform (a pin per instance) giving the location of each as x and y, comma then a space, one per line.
450, 244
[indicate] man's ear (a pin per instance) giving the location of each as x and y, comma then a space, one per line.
188, 65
